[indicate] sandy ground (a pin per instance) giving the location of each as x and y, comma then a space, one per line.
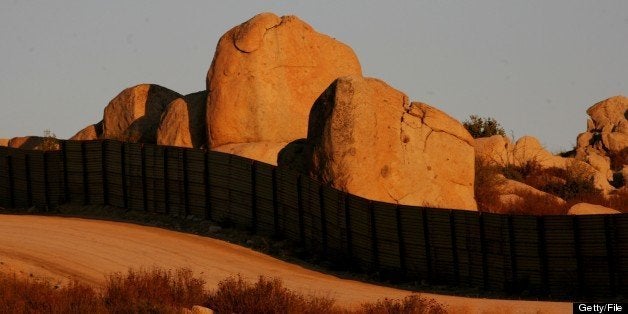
61, 248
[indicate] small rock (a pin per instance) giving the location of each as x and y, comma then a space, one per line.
590, 209
197, 309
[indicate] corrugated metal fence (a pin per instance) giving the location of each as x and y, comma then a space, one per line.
558, 257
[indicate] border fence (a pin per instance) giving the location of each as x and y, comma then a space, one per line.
554, 257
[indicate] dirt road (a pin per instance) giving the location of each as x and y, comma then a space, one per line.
61, 248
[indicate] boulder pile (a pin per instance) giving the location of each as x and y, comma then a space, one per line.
280, 92
604, 145
278, 87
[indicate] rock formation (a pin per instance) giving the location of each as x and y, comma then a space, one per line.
4, 142
368, 139
34, 143
605, 143
500, 151
183, 122
134, 114
590, 209
265, 76
90, 132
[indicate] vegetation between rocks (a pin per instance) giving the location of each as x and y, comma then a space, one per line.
167, 291
483, 127
571, 184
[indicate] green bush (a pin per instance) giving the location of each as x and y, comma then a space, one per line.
483, 127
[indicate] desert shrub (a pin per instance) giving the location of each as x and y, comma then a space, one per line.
236, 295
618, 200
50, 141
521, 172
485, 187
578, 183
535, 204
153, 291
29, 295
412, 304
573, 182
483, 127
165, 291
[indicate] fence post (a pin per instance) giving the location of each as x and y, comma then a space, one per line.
610, 254
29, 180
454, 246
484, 251
253, 196
348, 234
275, 203
543, 255
374, 242
144, 187
103, 163
513, 249
186, 193
402, 246
578, 252
300, 211
321, 200
85, 177
166, 181
64, 161
426, 238
125, 193
208, 199
11, 180
46, 188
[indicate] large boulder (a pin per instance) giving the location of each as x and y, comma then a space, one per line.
609, 113
495, 150
265, 76
4, 142
590, 209
529, 149
90, 132
134, 114
368, 139
183, 122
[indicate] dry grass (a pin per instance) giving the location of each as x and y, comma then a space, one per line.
19, 295
573, 184
412, 304
155, 290
486, 182
534, 204
165, 291
235, 295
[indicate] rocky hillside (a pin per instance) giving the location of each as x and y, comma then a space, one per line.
280, 92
